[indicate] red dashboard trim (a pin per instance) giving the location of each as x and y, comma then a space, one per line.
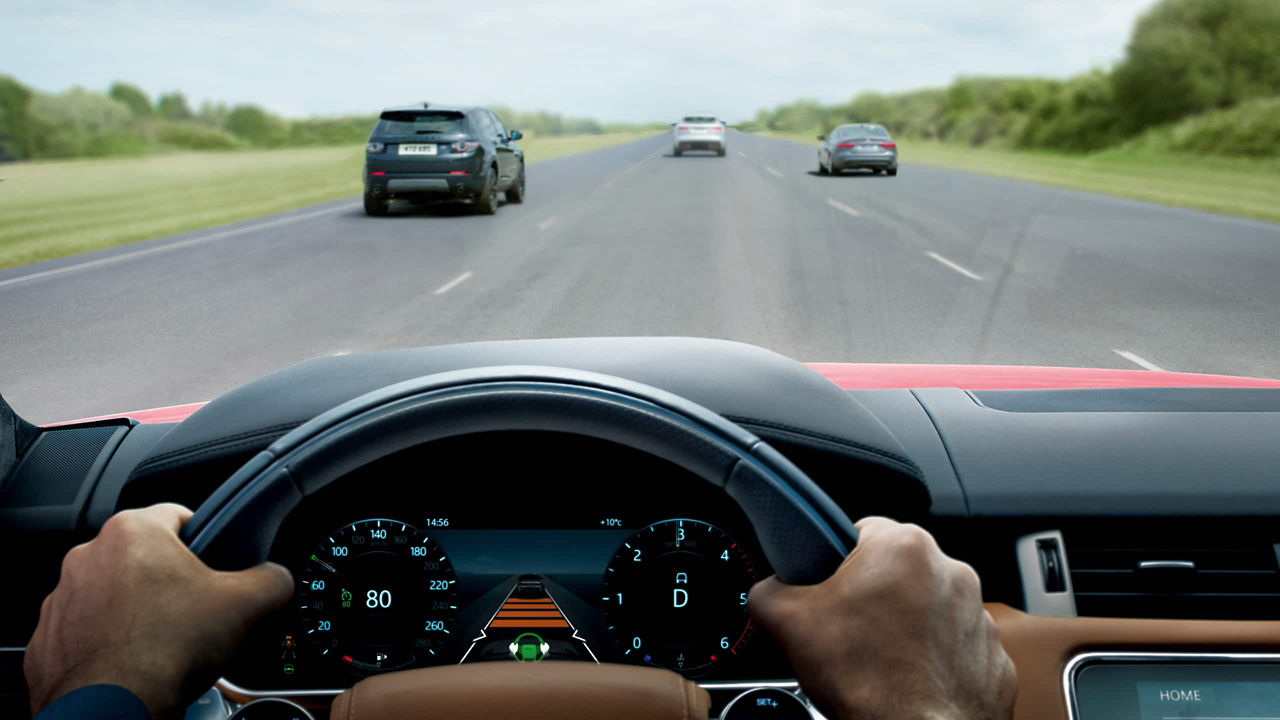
864, 376
169, 414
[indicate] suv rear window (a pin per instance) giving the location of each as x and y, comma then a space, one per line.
424, 122
700, 119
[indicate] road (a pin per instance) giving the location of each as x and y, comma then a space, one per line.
930, 266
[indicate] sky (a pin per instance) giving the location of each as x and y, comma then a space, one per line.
614, 60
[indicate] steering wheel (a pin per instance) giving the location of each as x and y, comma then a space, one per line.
804, 534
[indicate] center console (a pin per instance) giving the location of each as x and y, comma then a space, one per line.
1173, 686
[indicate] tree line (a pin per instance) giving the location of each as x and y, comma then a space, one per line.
1196, 76
125, 120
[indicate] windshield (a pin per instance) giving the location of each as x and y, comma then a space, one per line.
195, 195
420, 123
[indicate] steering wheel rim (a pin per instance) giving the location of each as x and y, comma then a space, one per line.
803, 533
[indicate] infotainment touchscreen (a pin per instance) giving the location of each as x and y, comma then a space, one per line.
1186, 688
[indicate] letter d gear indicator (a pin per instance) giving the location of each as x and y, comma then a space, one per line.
675, 596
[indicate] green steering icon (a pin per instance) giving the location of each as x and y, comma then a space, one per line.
528, 647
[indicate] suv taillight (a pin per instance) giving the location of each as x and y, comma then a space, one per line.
375, 147
462, 146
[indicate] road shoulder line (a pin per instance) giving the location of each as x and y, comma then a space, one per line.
171, 246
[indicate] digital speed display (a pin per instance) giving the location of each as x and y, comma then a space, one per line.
377, 595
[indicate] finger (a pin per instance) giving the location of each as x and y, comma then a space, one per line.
261, 588
870, 530
875, 524
770, 601
171, 516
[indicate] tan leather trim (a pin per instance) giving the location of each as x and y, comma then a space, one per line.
1041, 646
310, 702
545, 691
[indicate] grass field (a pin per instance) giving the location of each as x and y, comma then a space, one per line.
50, 209
1235, 186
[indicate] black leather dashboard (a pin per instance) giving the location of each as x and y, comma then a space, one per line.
937, 456
754, 387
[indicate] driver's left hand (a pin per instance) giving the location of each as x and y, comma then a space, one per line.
135, 608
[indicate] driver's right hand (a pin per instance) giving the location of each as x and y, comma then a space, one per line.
899, 631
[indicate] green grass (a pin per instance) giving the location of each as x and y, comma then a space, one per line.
1235, 186
50, 209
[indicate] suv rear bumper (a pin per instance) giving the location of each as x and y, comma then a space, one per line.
444, 177
440, 186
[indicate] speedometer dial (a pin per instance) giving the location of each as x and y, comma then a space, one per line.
675, 596
377, 595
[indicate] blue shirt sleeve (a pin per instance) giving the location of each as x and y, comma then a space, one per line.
96, 702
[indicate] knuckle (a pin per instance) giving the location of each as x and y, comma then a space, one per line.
966, 579
72, 560
122, 523
915, 542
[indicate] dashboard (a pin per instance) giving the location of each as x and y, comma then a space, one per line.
1126, 536
556, 548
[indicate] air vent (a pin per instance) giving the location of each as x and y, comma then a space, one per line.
1224, 583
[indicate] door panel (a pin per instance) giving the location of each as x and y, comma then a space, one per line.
508, 165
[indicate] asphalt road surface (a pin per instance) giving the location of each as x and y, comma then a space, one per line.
930, 266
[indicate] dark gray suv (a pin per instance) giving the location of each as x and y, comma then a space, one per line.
858, 145
427, 153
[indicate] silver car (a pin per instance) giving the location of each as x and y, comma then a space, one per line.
698, 132
859, 145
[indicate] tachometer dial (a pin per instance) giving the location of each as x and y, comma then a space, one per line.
675, 596
377, 595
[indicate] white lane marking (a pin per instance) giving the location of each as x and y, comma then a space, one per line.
171, 246
452, 283
633, 167
775, 172
1139, 361
547, 223
740, 153
842, 207
955, 266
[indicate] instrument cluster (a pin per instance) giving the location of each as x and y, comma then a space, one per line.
609, 556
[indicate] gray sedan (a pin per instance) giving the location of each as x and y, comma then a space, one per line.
859, 145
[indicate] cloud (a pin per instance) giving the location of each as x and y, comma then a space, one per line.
620, 60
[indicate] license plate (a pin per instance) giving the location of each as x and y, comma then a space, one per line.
699, 130
428, 149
